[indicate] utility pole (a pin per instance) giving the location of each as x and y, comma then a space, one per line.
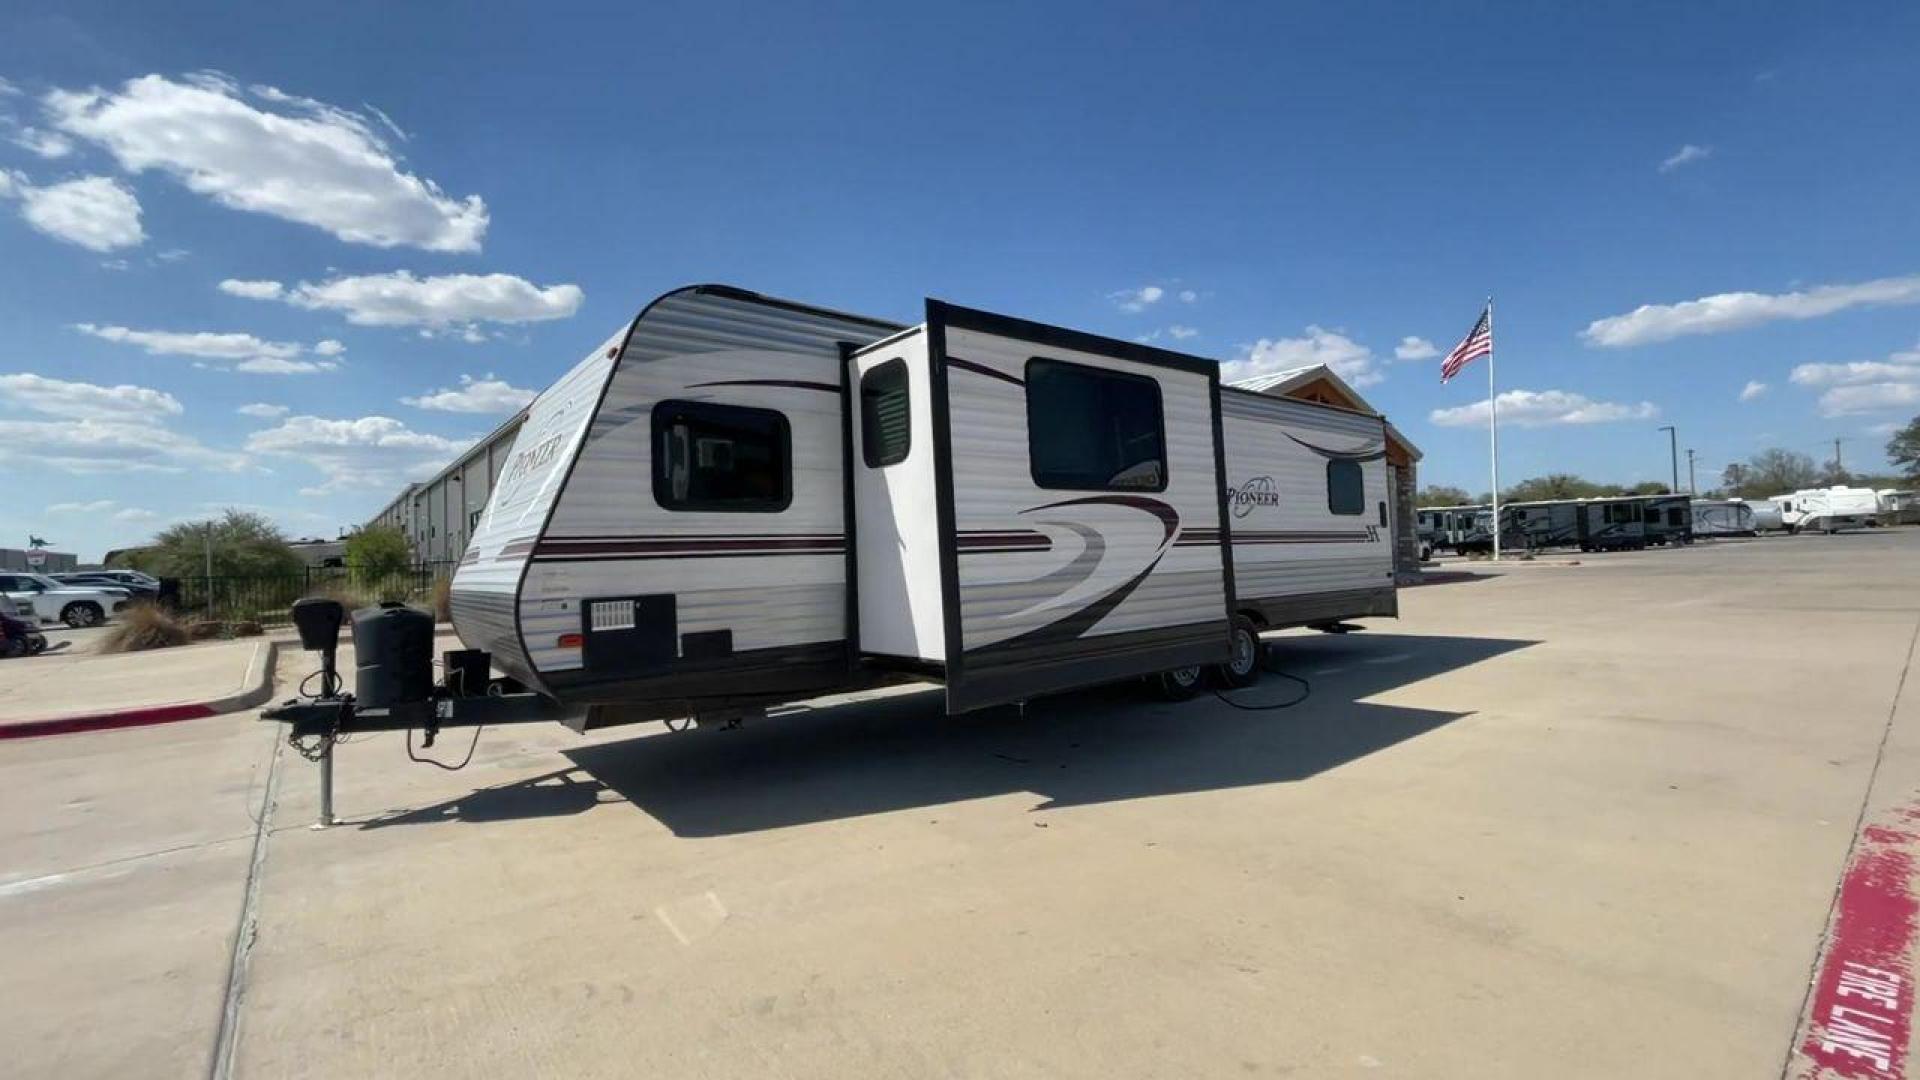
1673, 452
1837, 466
1691, 489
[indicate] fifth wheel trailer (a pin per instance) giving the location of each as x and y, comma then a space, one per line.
736, 501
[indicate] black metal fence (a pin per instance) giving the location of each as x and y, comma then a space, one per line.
265, 599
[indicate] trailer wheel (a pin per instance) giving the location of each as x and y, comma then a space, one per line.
1176, 685
1243, 657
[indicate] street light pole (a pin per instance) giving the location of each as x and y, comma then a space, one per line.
1691, 489
1673, 451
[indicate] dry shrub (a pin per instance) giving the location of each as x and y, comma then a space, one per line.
247, 628
206, 630
443, 600
143, 627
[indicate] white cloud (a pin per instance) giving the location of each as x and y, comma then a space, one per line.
86, 401
252, 290
135, 514
1736, 311
98, 506
1188, 296
1181, 333
401, 299
1414, 348
95, 212
273, 365
245, 351
1349, 359
1544, 408
1753, 390
1139, 299
1686, 155
301, 160
1864, 385
371, 453
99, 429
7, 89
263, 410
1889, 428
486, 395
47, 144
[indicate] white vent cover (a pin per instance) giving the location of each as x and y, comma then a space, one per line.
610, 615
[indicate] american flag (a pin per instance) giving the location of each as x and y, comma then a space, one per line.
1477, 343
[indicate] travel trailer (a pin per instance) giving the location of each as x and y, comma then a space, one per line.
1612, 524
1547, 524
1828, 509
1443, 527
737, 501
1668, 519
1766, 514
1898, 507
1723, 517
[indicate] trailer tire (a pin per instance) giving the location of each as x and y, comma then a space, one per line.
1244, 654
1178, 684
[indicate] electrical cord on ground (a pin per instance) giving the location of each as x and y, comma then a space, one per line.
1306, 691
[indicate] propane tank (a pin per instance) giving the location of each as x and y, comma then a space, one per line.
393, 655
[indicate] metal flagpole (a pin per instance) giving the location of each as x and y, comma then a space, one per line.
1493, 433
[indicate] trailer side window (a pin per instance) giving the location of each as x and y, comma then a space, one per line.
721, 457
886, 425
1089, 429
1346, 490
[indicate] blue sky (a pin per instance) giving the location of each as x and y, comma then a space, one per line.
338, 215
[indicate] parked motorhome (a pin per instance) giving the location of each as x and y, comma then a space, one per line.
1611, 524
1723, 517
1668, 519
737, 501
1828, 509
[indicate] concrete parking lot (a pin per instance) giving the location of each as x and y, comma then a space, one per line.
1555, 821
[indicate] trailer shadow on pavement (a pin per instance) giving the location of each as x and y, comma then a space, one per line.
900, 752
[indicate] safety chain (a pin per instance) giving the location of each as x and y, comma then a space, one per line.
317, 749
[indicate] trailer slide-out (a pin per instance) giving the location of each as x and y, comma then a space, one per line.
738, 501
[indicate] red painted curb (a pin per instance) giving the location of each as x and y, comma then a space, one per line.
67, 725
1862, 1007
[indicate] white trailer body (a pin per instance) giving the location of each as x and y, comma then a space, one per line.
738, 499
1829, 509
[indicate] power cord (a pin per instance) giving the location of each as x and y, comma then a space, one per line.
477, 729
1306, 690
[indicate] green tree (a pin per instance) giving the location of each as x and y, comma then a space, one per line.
378, 551
1442, 495
242, 544
1904, 449
1648, 487
1553, 486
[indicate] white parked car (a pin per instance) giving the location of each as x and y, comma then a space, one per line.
51, 601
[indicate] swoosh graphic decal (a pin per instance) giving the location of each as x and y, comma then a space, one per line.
790, 384
1366, 452
1169, 517
1074, 625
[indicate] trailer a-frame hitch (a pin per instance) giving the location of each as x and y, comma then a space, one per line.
394, 686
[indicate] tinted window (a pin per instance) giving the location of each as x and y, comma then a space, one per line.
1346, 490
886, 426
721, 457
1093, 430
1674, 516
